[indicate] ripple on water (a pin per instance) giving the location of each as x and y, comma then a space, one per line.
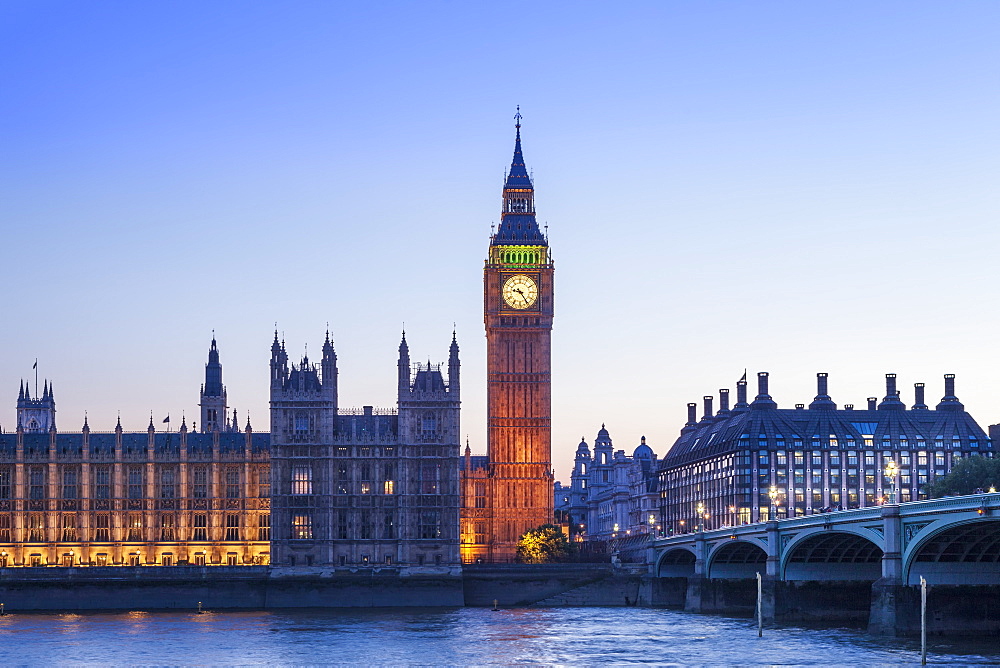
451, 637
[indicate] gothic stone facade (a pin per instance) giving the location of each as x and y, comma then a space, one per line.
117, 498
326, 487
364, 487
511, 491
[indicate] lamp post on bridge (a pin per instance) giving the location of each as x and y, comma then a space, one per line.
773, 495
891, 472
700, 509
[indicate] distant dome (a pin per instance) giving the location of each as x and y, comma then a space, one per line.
582, 449
643, 452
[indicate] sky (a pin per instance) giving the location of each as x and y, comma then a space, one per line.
772, 186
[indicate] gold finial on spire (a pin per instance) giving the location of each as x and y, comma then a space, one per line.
517, 118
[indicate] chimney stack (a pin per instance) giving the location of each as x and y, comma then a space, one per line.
692, 418
918, 393
892, 400
723, 401
708, 407
822, 400
741, 394
950, 401
871, 403
763, 399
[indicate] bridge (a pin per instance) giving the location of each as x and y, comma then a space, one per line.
845, 564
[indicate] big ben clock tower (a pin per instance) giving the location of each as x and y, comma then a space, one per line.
518, 291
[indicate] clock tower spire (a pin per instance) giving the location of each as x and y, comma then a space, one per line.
518, 310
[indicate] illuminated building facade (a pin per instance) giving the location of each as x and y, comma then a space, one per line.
327, 487
722, 468
364, 487
146, 498
518, 309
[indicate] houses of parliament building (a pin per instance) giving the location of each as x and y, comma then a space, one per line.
325, 486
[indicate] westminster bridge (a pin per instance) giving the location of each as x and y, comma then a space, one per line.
845, 565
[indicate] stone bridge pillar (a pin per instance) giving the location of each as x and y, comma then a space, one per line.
699, 554
892, 557
892, 604
694, 600
773, 549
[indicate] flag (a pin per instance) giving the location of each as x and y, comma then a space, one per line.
35, 365
167, 419
744, 378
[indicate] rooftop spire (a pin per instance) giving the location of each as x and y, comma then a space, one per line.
517, 224
518, 175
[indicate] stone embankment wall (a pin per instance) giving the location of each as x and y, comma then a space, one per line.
550, 585
259, 587
219, 588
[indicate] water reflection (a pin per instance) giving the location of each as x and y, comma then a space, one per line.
449, 636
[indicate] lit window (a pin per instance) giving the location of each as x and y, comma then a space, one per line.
301, 480
302, 527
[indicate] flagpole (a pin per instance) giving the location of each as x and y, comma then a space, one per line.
36, 377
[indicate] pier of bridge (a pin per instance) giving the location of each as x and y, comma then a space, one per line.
846, 565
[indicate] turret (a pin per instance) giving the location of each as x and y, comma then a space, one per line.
403, 367
603, 447
454, 368
214, 407
279, 364
328, 366
36, 415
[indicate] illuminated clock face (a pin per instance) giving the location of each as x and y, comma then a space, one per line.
520, 291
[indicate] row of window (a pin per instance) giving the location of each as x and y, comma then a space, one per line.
35, 560
67, 527
365, 525
101, 485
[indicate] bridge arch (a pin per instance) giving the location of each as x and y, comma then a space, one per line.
832, 555
737, 559
676, 562
966, 552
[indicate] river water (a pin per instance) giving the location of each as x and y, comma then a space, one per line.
458, 636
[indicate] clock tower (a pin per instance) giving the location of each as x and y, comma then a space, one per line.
518, 291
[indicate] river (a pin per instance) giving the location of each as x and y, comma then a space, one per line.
458, 636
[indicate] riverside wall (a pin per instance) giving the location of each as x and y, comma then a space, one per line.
220, 588
551, 585
261, 587
890, 609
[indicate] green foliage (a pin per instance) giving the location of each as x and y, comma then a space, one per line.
545, 545
966, 477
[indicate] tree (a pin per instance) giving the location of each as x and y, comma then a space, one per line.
544, 545
970, 474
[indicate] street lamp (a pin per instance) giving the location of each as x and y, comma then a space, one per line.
773, 495
891, 471
700, 509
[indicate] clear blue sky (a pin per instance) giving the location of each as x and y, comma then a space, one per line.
783, 186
